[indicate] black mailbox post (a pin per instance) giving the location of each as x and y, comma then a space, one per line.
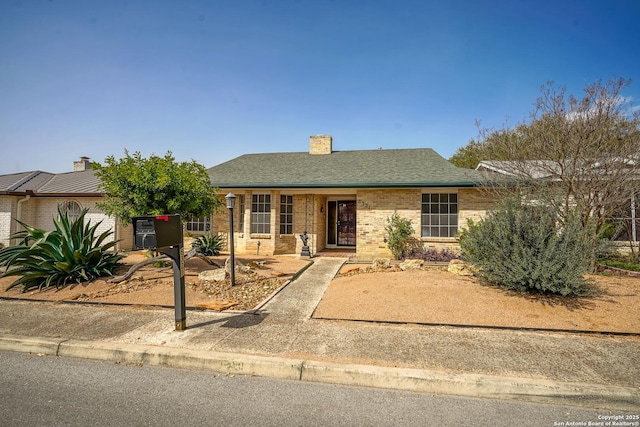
164, 234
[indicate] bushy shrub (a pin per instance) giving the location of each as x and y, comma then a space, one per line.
523, 248
431, 254
399, 231
208, 244
70, 253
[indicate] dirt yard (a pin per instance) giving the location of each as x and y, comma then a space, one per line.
434, 296
427, 296
153, 286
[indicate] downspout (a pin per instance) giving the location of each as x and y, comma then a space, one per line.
19, 208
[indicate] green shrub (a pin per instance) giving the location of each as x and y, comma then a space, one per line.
70, 253
399, 231
522, 248
208, 244
621, 264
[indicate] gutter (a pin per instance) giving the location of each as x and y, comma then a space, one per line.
352, 185
70, 194
31, 193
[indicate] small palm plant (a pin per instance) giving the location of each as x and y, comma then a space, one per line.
208, 244
70, 253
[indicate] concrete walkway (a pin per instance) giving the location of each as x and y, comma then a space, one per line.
283, 341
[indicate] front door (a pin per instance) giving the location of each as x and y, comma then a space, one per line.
341, 223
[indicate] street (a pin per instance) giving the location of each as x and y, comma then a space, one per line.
47, 390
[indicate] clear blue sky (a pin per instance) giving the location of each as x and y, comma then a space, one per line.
211, 80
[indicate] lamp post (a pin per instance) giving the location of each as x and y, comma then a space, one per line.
231, 202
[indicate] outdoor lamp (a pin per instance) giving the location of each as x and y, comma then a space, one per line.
231, 202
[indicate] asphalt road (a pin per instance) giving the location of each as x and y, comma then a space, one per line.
52, 391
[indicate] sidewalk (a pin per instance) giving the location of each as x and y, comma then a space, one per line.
283, 341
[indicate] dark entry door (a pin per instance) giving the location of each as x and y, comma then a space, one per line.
341, 218
346, 223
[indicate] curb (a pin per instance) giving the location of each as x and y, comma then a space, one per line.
414, 380
475, 385
228, 363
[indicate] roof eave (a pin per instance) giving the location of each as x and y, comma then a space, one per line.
69, 194
352, 185
14, 193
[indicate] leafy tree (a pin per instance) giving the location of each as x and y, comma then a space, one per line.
70, 253
468, 156
490, 147
158, 185
575, 154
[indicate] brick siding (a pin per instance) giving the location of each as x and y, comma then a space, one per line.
40, 212
373, 208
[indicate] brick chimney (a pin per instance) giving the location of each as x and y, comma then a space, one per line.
83, 164
320, 144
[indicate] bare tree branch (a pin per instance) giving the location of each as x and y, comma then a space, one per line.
573, 153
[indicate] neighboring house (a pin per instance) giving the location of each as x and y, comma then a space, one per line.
342, 199
34, 197
535, 169
627, 219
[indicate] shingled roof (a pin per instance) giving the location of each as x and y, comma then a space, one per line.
81, 183
84, 182
23, 182
419, 167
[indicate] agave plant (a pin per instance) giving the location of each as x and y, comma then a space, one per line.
70, 253
208, 244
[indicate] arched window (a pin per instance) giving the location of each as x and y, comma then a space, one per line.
72, 209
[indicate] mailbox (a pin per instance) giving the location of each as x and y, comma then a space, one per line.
157, 231
164, 233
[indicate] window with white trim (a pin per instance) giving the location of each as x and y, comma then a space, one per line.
261, 213
286, 214
439, 215
199, 225
72, 209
